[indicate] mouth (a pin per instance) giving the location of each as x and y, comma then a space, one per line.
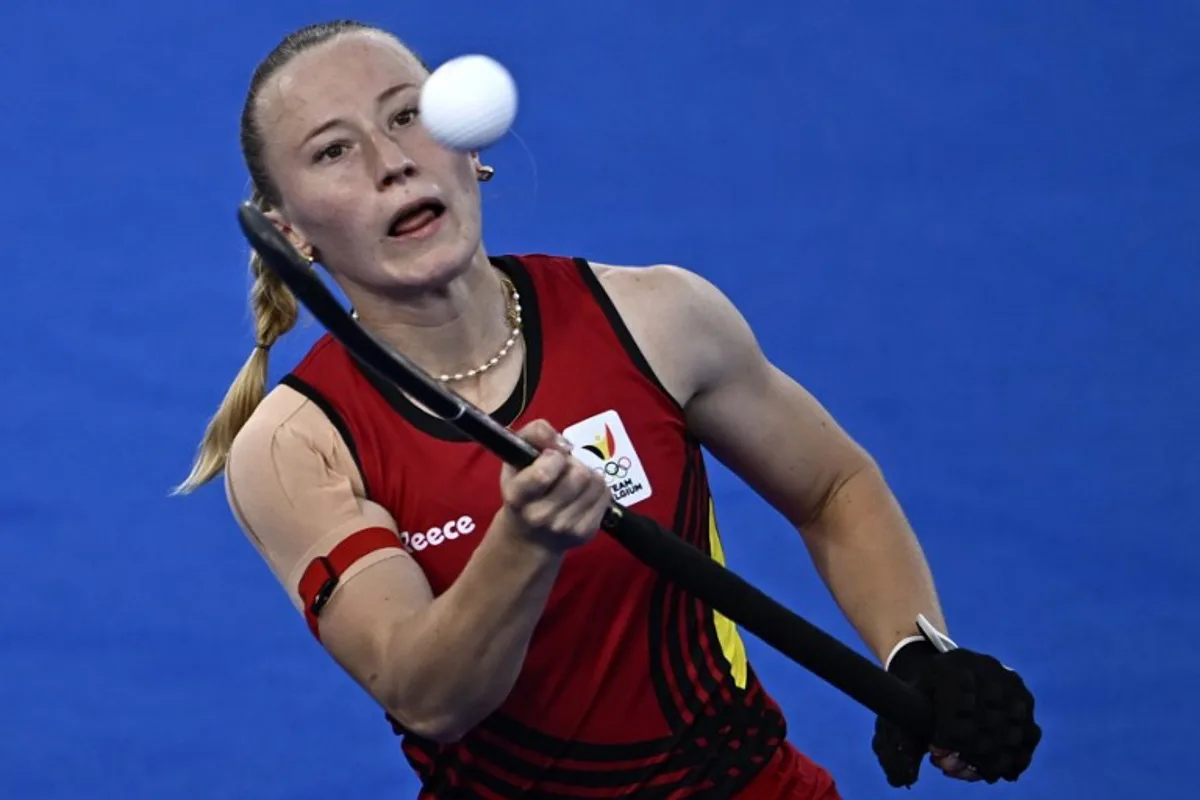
416, 219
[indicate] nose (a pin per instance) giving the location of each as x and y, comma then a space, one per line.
398, 173
393, 164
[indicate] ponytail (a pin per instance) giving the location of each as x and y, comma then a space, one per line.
275, 313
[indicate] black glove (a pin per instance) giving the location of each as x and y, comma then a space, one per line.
982, 711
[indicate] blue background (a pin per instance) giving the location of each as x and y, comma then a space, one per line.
968, 228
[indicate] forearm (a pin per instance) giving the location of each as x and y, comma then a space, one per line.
457, 659
869, 557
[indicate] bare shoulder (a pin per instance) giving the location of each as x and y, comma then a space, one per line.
677, 286
683, 323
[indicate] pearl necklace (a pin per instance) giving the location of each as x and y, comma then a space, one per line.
513, 316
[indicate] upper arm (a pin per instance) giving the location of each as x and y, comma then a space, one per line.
753, 417
294, 489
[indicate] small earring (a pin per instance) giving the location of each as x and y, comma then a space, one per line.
484, 173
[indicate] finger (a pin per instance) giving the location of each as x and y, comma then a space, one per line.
591, 504
541, 434
536, 480
968, 774
948, 762
555, 508
603, 503
953, 765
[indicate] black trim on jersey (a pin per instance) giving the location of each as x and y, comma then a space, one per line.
685, 647
499, 749
679, 626
617, 323
536, 741
441, 775
298, 384
522, 393
592, 776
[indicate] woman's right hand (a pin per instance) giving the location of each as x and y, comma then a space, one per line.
556, 501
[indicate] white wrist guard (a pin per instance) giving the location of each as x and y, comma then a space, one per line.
929, 633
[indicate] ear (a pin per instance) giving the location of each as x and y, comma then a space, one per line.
482, 172
294, 237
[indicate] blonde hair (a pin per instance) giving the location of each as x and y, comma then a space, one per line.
275, 312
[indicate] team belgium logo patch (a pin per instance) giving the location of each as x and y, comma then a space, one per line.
603, 444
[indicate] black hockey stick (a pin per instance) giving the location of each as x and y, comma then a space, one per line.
688, 567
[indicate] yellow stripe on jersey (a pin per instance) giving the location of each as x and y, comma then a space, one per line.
727, 632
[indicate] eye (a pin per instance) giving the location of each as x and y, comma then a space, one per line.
330, 152
405, 116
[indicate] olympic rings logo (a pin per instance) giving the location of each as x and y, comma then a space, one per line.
616, 469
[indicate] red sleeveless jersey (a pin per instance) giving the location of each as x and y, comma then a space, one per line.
630, 685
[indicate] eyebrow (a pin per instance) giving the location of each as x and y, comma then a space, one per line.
384, 96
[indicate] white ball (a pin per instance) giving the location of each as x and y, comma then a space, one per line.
468, 103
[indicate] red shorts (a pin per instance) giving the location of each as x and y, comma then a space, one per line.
790, 775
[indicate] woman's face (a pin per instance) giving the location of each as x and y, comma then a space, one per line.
362, 183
